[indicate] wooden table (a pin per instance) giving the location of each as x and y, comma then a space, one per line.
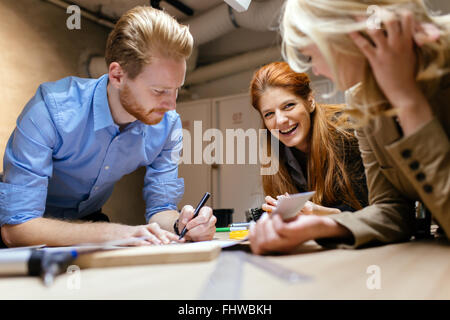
412, 270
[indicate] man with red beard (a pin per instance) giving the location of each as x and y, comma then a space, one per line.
77, 137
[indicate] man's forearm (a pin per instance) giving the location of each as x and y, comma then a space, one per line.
53, 232
165, 219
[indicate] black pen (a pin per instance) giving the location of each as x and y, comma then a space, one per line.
197, 210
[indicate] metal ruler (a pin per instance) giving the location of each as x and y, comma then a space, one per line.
225, 280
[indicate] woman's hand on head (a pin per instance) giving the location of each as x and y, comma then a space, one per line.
393, 61
390, 53
425, 33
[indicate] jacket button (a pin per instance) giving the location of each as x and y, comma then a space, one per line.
406, 153
427, 188
414, 165
420, 176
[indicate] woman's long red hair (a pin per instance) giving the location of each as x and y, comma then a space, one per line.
326, 173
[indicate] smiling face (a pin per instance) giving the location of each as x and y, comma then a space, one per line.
154, 91
283, 110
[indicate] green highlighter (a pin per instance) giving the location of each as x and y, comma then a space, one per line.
229, 229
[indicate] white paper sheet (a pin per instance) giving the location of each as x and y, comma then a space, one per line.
122, 244
289, 206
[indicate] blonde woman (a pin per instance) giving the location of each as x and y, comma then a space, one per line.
394, 66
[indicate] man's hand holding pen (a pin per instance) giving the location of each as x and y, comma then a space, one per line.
200, 228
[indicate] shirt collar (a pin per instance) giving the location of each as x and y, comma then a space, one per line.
102, 112
136, 127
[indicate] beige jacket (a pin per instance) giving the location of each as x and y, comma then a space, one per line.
401, 170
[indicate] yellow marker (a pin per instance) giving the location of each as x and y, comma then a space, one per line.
238, 235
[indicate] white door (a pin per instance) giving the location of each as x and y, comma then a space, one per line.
195, 118
237, 186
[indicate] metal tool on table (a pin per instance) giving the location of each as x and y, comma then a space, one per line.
34, 262
48, 262
225, 281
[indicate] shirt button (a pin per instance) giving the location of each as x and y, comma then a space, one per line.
420, 176
95, 188
414, 165
106, 167
406, 153
427, 188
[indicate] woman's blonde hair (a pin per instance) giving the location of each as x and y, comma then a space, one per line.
326, 23
143, 32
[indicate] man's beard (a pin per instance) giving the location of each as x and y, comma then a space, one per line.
130, 105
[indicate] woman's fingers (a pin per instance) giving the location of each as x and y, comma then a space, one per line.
270, 200
422, 33
268, 208
378, 37
393, 27
308, 208
394, 31
270, 204
363, 44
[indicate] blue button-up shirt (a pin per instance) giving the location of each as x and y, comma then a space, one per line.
66, 153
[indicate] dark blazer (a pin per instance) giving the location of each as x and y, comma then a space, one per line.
296, 165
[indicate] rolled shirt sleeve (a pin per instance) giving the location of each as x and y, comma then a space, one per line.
28, 163
162, 187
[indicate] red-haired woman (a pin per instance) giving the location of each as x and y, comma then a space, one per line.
315, 152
